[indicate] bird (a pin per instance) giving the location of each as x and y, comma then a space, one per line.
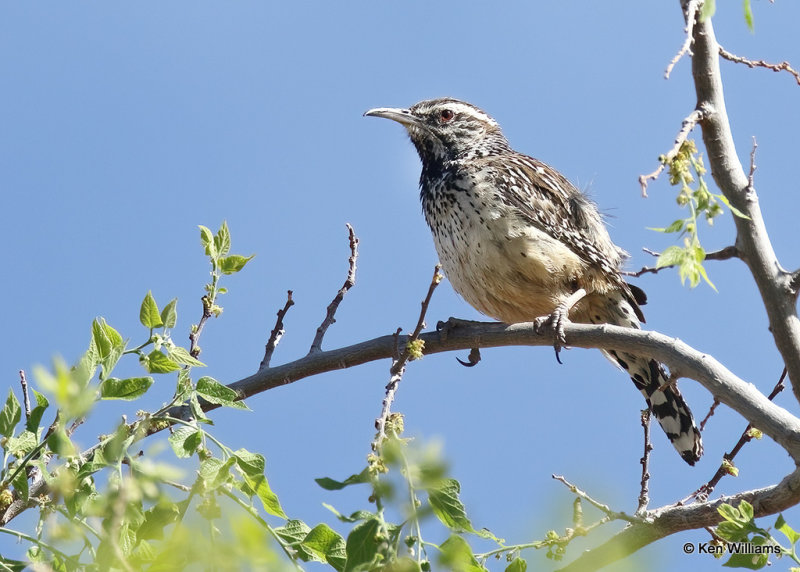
520, 243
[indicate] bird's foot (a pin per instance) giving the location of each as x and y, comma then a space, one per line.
554, 323
473, 359
453, 323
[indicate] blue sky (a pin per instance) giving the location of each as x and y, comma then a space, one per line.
127, 125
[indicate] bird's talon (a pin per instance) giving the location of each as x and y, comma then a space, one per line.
472, 360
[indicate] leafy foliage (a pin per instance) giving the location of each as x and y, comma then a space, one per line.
750, 545
684, 170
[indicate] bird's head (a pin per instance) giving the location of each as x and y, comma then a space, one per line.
447, 129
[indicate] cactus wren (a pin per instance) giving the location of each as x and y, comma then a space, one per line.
518, 241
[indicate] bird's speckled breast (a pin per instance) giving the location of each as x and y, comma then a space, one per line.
502, 265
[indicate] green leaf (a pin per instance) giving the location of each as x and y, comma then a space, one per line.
331, 485
10, 415
447, 507
22, 445
182, 356
37, 412
362, 546
748, 15
215, 472
749, 561
294, 531
157, 362
60, 444
233, 263
729, 513
518, 564
269, 500
20, 483
108, 344
127, 389
734, 210
456, 554
13, 565
327, 545
354, 517
709, 7
214, 392
786, 530
207, 240
185, 441
251, 464
156, 519
169, 315
149, 315
222, 240
672, 256
746, 510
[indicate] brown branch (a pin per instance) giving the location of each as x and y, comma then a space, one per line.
709, 415
686, 127
686, 48
644, 496
752, 239
705, 491
26, 398
740, 396
316, 345
277, 333
782, 66
751, 175
612, 514
669, 520
194, 335
723, 254
399, 363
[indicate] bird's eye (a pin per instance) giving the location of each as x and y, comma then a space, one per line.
446, 115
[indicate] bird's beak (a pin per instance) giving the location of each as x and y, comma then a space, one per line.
402, 116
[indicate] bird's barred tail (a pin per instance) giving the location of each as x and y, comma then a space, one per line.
649, 376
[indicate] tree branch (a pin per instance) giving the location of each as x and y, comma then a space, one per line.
686, 127
26, 398
410, 352
277, 332
691, 9
672, 519
740, 396
723, 254
752, 239
782, 66
350, 281
644, 497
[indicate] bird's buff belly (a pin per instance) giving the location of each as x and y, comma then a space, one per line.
513, 278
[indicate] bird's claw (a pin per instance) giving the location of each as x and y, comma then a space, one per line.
554, 323
472, 360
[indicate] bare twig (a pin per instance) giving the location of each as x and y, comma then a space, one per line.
782, 66
612, 514
751, 175
644, 497
691, 10
686, 127
412, 350
349, 282
277, 332
704, 491
723, 254
26, 399
194, 335
709, 415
